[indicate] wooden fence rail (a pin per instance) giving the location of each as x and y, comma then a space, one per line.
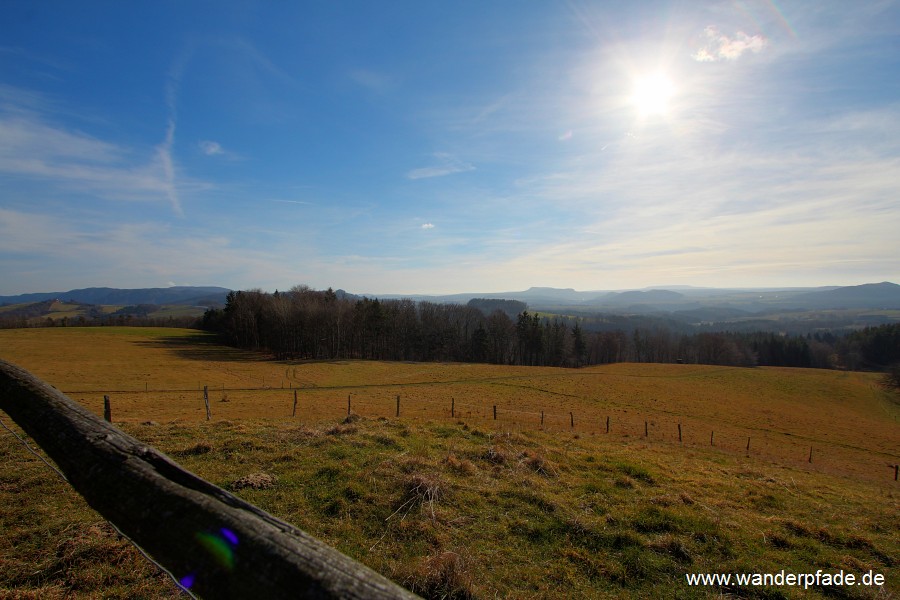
216, 544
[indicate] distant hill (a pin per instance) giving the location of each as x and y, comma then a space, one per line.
640, 297
709, 303
178, 295
884, 295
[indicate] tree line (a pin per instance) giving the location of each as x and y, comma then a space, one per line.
303, 323
113, 320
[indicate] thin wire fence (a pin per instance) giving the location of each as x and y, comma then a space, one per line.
477, 404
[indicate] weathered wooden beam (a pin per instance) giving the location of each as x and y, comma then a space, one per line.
218, 545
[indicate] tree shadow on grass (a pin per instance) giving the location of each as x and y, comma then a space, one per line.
203, 346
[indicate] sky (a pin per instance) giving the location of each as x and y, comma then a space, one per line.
439, 147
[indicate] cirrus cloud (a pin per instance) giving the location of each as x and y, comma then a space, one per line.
210, 148
445, 164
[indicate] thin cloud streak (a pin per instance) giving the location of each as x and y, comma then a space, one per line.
447, 164
164, 152
36, 149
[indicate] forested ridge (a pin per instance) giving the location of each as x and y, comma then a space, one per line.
310, 324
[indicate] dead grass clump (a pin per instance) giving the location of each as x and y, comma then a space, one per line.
460, 465
538, 463
422, 490
256, 481
386, 441
495, 456
443, 575
341, 429
300, 434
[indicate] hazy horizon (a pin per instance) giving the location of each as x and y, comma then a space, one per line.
674, 287
419, 149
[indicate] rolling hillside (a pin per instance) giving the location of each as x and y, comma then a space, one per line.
468, 506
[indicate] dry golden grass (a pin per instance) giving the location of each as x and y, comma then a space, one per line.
469, 507
848, 422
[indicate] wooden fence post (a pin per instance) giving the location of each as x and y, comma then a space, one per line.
896, 471
748, 445
398, 405
217, 544
107, 410
294, 412
607, 424
495, 412
679, 433
452, 407
810, 454
572, 419
348, 404
542, 418
206, 400
711, 434
646, 430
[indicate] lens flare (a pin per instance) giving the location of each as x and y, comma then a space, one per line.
219, 548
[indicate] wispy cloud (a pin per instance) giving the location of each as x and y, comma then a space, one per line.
445, 164
164, 149
36, 147
752, 215
261, 60
164, 152
211, 148
302, 202
718, 46
427, 225
215, 149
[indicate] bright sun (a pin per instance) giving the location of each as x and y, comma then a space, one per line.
651, 94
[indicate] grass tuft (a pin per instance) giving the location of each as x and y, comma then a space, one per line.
442, 575
423, 490
460, 466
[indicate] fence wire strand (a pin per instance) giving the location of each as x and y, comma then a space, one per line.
62, 476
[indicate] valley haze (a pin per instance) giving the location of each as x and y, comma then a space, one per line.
884, 295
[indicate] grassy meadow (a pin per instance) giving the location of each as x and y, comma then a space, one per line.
467, 506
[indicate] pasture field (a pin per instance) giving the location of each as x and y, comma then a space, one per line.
59, 310
468, 506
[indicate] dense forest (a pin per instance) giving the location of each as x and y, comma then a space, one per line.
309, 324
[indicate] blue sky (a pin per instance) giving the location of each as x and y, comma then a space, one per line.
425, 147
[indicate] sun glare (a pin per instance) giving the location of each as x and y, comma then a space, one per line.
651, 94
